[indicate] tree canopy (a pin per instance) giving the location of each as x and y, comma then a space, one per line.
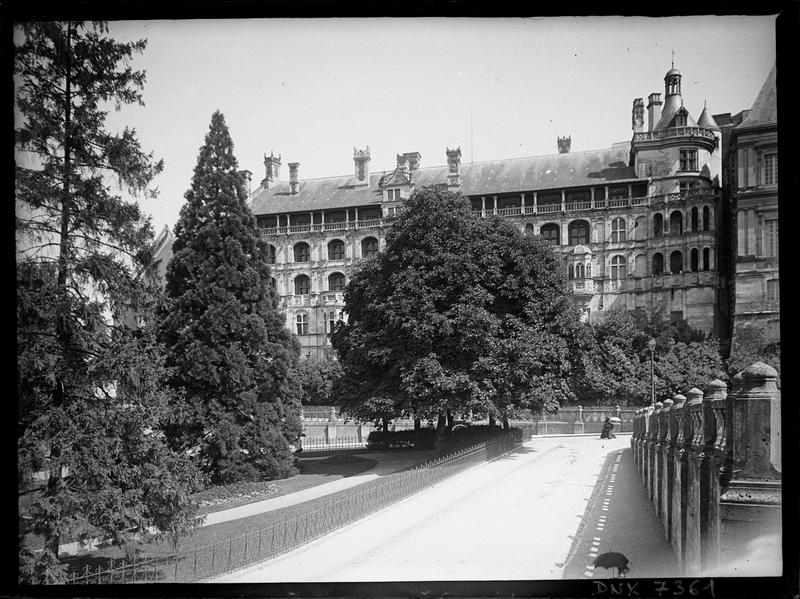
91, 393
457, 313
225, 336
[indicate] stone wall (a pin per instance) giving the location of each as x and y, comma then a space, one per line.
711, 466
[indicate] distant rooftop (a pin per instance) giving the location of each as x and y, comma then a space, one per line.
765, 108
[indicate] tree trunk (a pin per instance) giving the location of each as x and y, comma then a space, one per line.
450, 419
506, 427
385, 424
417, 431
491, 421
440, 426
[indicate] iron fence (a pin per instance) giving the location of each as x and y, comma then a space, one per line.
320, 444
196, 563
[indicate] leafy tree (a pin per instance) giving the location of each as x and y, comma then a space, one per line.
457, 314
91, 398
749, 345
316, 378
224, 334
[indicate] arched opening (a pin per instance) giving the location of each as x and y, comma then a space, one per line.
618, 268
551, 233
578, 232
580, 271
529, 229
706, 259
676, 262
302, 252
336, 250
640, 229
676, 223
618, 230
369, 247
658, 263
695, 220
658, 225
336, 282
271, 254
570, 271
693, 260
640, 265
302, 285
273, 284
706, 219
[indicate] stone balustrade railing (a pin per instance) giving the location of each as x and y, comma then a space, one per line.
711, 465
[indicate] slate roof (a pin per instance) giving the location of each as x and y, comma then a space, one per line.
554, 171
706, 120
765, 108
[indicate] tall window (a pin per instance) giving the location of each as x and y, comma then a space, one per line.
302, 285
302, 324
618, 268
658, 225
529, 229
771, 237
302, 252
676, 262
393, 194
706, 259
688, 160
331, 321
551, 233
336, 250
369, 247
271, 254
273, 283
695, 219
773, 291
694, 256
658, 264
578, 232
618, 230
676, 223
580, 271
336, 282
770, 169
706, 218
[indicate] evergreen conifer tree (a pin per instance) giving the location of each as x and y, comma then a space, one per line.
224, 333
92, 398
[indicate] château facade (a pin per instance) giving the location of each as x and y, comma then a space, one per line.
637, 225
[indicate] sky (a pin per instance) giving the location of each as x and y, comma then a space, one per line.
313, 89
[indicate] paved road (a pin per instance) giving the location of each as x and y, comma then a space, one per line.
526, 516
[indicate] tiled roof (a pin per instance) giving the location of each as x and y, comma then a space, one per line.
765, 108
554, 171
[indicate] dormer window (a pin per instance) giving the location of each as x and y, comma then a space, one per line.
392, 194
680, 119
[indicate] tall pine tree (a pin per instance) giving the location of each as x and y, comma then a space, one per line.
92, 394
224, 333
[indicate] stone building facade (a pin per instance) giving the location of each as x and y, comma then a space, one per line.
637, 225
754, 203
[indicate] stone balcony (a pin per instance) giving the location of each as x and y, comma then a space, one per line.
671, 132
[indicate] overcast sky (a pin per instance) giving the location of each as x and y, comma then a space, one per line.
312, 89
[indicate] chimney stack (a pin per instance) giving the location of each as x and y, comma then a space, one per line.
294, 183
361, 160
402, 163
273, 166
414, 159
564, 144
454, 167
638, 115
653, 110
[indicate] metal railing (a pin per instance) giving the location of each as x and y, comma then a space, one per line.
320, 444
192, 564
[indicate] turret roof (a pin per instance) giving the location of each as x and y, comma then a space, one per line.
706, 120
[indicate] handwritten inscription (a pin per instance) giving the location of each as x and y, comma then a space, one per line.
661, 588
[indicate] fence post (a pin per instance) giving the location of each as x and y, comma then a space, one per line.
694, 496
652, 474
668, 438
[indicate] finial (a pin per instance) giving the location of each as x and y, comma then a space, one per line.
673, 57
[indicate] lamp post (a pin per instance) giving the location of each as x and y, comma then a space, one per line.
651, 345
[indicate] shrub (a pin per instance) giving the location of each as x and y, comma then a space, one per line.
406, 439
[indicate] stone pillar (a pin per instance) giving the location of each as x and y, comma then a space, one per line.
712, 468
750, 504
652, 462
577, 425
667, 470
683, 439
693, 522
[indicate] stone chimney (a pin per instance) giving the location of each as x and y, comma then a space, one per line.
653, 110
414, 159
273, 166
294, 182
361, 160
453, 167
247, 179
637, 118
564, 144
402, 163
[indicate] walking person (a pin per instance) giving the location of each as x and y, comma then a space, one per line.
608, 427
